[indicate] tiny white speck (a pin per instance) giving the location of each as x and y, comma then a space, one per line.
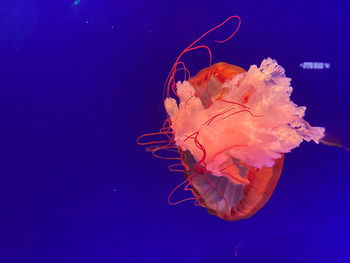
86, 22
112, 27
114, 190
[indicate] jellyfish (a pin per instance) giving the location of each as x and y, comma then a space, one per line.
231, 129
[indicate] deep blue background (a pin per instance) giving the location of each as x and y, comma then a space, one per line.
79, 83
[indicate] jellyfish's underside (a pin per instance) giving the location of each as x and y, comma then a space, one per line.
227, 199
222, 196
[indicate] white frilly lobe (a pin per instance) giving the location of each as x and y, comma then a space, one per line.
276, 128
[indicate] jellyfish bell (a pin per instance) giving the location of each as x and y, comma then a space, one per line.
230, 199
233, 129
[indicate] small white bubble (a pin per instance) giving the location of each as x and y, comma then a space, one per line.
86, 22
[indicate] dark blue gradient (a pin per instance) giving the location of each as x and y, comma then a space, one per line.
81, 80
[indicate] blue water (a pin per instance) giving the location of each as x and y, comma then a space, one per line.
81, 80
